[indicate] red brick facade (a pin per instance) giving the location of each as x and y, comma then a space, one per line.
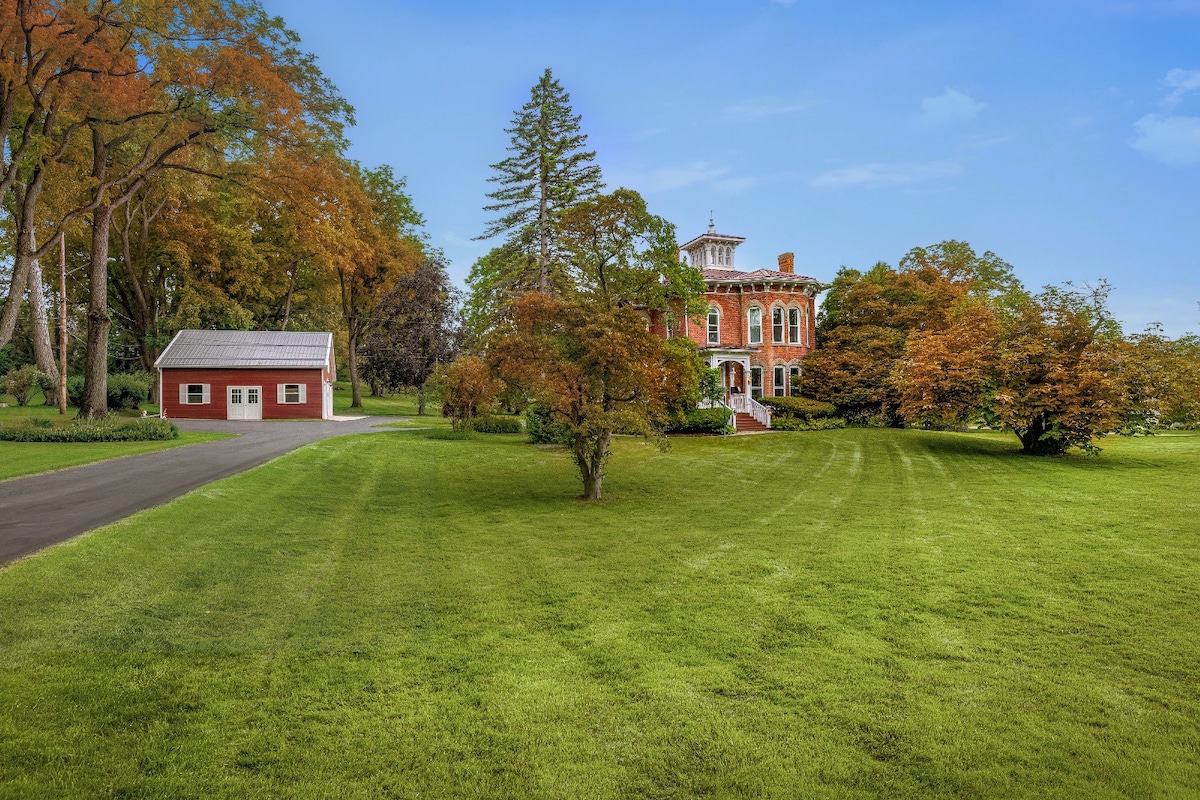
218, 381
765, 319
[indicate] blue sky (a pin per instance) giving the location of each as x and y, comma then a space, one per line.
1064, 135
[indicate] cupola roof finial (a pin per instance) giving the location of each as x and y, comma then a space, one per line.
711, 227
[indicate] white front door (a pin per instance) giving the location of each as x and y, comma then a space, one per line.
245, 402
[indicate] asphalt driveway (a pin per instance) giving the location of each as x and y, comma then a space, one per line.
42, 510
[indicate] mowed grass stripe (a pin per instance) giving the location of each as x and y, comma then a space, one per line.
844, 613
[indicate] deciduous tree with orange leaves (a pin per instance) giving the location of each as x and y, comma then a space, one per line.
597, 371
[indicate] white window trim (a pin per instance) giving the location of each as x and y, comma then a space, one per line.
281, 394
794, 336
782, 338
712, 310
750, 326
205, 394
779, 387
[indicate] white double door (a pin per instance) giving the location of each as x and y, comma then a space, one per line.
244, 402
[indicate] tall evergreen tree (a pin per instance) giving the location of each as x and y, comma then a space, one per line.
547, 171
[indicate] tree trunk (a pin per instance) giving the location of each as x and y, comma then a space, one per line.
421, 400
95, 380
543, 241
1032, 442
355, 389
590, 456
43, 347
26, 198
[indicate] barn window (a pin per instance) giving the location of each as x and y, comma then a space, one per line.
291, 393
193, 394
779, 381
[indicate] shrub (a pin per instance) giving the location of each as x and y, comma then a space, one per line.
785, 423
540, 425
701, 420
799, 407
126, 390
22, 382
490, 424
150, 429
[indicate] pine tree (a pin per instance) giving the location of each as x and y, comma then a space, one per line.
546, 172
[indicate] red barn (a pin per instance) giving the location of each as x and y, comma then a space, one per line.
247, 375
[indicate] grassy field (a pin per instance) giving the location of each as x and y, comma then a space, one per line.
855, 613
29, 458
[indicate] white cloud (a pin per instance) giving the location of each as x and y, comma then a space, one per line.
949, 106
1181, 81
761, 108
875, 175
667, 179
1173, 140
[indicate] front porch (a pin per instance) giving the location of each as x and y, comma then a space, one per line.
739, 388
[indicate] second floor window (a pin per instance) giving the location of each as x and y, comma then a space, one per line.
794, 325
755, 319
714, 326
777, 325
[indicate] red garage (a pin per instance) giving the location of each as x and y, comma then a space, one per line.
247, 375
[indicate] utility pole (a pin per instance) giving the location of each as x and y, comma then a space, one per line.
62, 323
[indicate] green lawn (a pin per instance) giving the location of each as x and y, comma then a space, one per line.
856, 613
29, 458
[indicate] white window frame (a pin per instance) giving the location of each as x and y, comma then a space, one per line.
794, 325
281, 391
754, 312
778, 329
756, 382
779, 380
793, 372
713, 311
185, 394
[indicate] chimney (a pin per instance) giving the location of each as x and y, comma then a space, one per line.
787, 263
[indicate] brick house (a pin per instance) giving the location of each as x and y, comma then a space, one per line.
247, 375
759, 326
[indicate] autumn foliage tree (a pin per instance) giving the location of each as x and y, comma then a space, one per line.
468, 390
597, 371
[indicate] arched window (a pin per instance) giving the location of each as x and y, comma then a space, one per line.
729, 256
779, 380
714, 326
794, 325
754, 318
777, 325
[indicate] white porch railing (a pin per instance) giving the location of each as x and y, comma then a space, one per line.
745, 404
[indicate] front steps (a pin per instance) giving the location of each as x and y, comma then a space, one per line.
748, 424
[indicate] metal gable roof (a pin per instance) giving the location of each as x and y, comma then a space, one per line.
247, 349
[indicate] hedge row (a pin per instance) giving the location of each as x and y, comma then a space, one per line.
701, 420
150, 429
785, 423
800, 407
491, 424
